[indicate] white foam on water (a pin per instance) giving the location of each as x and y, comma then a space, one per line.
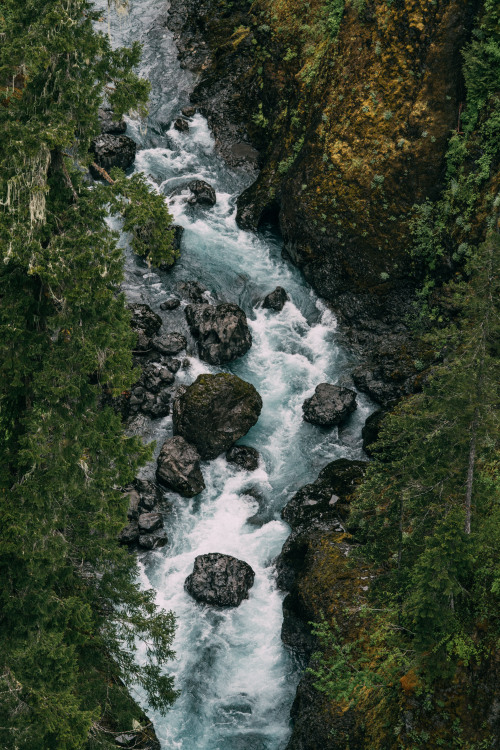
237, 681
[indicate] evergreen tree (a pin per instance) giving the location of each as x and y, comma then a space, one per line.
71, 610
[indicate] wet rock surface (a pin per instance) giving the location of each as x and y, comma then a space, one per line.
170, 304
221, 331
202, 194
220, 580
181, 125
144, 320
215, 411
327, 498
109, 125
275, 300
170, 343
330, 405
178, 467
243, 456
113, 151
145, 529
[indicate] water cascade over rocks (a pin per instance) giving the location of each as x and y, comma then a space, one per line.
237, 681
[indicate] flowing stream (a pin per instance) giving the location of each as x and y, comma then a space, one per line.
237, 681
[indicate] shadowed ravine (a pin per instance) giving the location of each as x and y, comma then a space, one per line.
236, 679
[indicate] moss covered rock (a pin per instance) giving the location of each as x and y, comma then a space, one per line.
215, 411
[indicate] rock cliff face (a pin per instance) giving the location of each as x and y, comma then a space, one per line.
348, 125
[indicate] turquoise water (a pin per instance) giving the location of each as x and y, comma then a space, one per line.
237, 681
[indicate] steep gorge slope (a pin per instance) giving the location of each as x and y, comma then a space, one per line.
346, 109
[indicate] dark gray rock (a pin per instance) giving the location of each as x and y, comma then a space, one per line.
276, 300
188, 111
215, 411
109, 125
220, 580
170, 343
113, 151
130, 534
244, 456
330, 405
193, 291
221, 331
143, 319
153, 541
203, 194
149, 522
149, 493
179, 467
371, 429
170, 304
181, 125
173, 365
328, 497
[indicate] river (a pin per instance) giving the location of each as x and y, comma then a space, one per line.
237, 681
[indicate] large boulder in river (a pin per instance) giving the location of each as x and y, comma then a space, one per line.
179, 467
215, 411
221, 580
222, 331
113, 151
202, 194
328, 497
275, 300
330, 405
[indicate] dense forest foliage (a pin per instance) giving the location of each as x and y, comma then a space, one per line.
427, 516
71, 611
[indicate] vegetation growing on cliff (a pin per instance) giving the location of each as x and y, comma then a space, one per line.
428, 512
71, 611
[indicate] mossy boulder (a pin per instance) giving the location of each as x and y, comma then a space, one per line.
215, 411
326, 498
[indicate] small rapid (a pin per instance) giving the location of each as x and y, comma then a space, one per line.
236, 680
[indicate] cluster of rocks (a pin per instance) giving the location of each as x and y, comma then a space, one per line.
151, 394
145, 528
319, 508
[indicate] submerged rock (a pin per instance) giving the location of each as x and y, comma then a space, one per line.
194, 291
330, 405
222, 331
276, 300
181, 125
170, 304
215, 411
203, 194
220, 580
113, 151
244, 456
179, 467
